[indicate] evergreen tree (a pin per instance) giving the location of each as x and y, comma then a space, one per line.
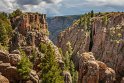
24, 66
92, 13
67, 60
5, 29
15, 13
69, 65
50, 67
3, 35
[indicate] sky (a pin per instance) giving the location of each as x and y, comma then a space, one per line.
62, 7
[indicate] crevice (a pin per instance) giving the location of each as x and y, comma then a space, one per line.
92, 32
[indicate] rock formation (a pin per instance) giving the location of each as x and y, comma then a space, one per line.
30, 29
3, 79
104, 36
9, 70
93, 71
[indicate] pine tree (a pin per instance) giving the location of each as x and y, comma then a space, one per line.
50, 68
15, 13
24, 66
92, 13
3, 35
69, 65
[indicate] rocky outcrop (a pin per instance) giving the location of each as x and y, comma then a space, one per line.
9, 68
93, 71
104, 37
13, 59
30, 21
29, 31
3, 79
10, 72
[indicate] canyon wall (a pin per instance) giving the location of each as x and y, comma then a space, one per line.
59, 23
104, 36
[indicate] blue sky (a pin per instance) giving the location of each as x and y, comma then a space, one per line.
62, 7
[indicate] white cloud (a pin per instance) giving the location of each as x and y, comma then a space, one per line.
61, 7
111, 2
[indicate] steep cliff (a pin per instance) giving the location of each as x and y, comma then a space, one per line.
23, 56
58, 24
30, 29
102, 34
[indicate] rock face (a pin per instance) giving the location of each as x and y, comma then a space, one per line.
30, 21
3, 79
10, 72
30, 29
93, 71
105, 38
58, 24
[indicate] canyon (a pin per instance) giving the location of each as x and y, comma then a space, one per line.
96, 40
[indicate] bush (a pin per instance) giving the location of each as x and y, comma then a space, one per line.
43, 47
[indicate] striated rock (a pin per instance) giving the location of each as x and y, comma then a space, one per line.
3, 79
105, 38
93, 71
30, 21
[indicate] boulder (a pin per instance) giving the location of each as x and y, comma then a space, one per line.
3, 79
4, 56
93, 71
10, 72
14, 59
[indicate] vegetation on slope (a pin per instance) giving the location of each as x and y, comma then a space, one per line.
49, 66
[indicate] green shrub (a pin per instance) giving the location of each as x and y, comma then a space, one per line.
43, 47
